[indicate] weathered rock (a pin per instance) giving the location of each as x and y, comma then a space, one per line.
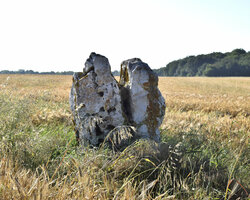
95, 101
103, 107
144, 103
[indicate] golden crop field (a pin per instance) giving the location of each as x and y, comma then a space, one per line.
38, 147
220, 104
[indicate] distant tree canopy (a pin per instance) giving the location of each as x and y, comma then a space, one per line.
116, 73
22, 71
235, 63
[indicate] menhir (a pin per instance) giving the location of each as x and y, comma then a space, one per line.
100, 105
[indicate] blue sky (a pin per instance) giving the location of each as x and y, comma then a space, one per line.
59, 35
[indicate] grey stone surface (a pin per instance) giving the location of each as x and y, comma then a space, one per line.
147, 106
99, 104
95, 101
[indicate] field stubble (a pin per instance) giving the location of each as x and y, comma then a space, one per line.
39, 155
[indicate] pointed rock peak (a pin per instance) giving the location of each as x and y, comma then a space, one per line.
135, 67
98, 63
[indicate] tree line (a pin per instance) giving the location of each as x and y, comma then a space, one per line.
235, 63
22, 71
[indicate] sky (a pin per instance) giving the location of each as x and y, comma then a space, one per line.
59, 35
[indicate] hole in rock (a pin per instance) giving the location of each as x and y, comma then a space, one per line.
101, 94
98, 130
100, 140
101, 109
110, 127
111, 110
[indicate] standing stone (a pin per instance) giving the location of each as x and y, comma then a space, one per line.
119, 113
95, 101
144, 103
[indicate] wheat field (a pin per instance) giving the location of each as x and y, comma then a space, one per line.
39, 157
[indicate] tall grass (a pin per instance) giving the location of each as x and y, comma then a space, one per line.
203, 154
